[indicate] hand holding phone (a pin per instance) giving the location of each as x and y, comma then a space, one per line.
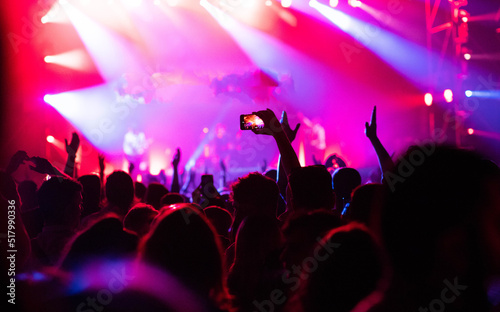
251, 122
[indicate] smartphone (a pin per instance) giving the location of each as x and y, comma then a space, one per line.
250, 121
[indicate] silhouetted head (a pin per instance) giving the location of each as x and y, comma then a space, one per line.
301, 232
103, 240
154, 194
255, 194
183, 242
271, 173
311, 188
139, 219
120, 190
91, 193
439, 208
171, 198
349, 267
366, 204
140, 191
59, 200
27, 193
345, 180
220, 218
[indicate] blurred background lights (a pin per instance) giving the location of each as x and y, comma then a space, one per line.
428, 99
286, 3
468, 93
470, 131
355, 3
334, 3
448, 95
50, 139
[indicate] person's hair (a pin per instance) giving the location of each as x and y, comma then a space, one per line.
171, 198
91, 193
272, 174
432, 194
105, 239
345, 180
365, 203
54, 196
140, 191
27, 193
183, 242
154, 194
350, 272
220, 218
120, 190
311, 187
139, 218
257, 190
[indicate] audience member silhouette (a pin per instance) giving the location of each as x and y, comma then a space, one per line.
345, 180
59, 200
140, 191
91, 194
154, 193
139, 218
257, 270
437, 228
183, 243
311, 189
221, 220
105, 240
253, 195
30, 213
302, 231
348, 268
171, 198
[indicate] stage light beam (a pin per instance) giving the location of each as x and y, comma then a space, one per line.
50, 139
468, 93
334, 3
467, 56
470, 131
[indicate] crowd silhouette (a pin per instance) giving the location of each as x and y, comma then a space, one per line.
426, 237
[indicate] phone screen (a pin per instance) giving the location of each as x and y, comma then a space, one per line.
250, 121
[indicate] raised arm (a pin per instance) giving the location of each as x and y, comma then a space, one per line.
281, 177
273, 127
176, 188
384, 159
43, 166
71, 149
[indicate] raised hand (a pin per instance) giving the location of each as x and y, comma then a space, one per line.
72, 147
371, 128
17, 159
43, 166
271, 123
177, 158
291, 134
